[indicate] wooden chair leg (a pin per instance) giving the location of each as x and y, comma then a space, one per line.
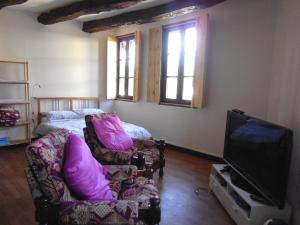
162, 147
46, 213
152, 216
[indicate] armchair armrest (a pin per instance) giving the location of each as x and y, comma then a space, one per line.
33, 185
121, 172
99, 212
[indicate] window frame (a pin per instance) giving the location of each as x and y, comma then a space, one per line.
126, 38
164, 64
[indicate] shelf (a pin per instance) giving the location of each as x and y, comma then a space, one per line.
21, 123
13, 82
16, 142
15, 62
244, 194
13, 101
23, 102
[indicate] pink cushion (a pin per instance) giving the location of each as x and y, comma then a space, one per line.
83, 174
111, 134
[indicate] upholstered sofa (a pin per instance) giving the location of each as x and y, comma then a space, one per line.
135, 199
151, 152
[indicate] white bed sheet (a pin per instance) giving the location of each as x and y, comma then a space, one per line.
76, 126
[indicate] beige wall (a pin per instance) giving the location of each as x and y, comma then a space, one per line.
62, 58
284, 95
239, 62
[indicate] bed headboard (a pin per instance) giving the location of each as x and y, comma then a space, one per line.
46, 104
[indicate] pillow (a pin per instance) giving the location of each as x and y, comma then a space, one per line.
110, 132
83, 174
87, 111
61, 115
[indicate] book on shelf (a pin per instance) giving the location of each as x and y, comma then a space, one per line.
4, 141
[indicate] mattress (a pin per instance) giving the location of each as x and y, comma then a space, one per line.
76, 126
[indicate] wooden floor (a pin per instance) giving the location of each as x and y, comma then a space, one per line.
180, 204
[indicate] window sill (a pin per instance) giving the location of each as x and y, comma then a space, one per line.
124, 99
174, 104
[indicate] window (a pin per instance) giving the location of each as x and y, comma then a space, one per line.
125, 67
178, 63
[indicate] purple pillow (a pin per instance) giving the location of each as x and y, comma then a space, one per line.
111, 134
83, 174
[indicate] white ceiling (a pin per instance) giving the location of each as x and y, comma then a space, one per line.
39, 6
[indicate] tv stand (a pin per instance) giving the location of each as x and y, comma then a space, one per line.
243, 209
260, 199
240, 182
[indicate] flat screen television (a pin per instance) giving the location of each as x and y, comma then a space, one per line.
260, 152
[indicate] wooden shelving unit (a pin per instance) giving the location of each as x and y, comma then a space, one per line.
26, 121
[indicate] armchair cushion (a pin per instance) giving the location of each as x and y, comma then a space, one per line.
121, 172
110, 132
117, 212
85, 176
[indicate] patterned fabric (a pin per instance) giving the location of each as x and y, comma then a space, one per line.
8, 123
46, 158
33, 186
105, 213
9, 117
141, 191
148, 147
45, 179
121, 172
9, 114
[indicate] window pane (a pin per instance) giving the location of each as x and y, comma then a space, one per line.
174, 40
131, 67
174, 45
172, 65
171, 88
189, 51
130, 86
122, 68
131, 49
123, 50
121, 86
187, 88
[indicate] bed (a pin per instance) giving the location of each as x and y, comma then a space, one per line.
66, 105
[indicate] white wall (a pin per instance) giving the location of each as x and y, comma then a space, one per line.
62, 58
284, 96
238, 73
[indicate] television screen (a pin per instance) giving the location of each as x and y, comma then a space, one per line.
260, 152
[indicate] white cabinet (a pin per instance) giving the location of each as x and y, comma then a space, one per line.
239, 205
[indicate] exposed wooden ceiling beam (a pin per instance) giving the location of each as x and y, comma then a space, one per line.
4, 3
148, 15
77, 9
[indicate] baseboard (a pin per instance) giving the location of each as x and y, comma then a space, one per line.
212, 158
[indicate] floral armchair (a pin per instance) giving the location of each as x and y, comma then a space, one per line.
135, 199
151, 153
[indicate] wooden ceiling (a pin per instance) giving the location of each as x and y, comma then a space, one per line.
77, 9
4, 3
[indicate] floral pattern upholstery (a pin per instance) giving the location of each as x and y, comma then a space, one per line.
45, 178
104, 155
95, 212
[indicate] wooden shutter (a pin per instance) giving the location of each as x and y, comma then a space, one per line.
137, 72
198, 97
111, 89
154, 64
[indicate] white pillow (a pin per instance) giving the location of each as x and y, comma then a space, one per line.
87, 111
61, 115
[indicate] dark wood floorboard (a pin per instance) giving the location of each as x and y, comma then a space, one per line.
184, 173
